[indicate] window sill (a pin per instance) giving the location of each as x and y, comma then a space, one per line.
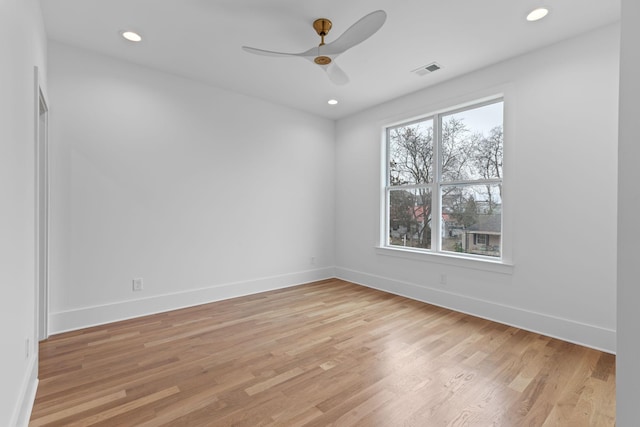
494, 266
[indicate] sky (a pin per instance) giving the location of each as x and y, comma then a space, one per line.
481, 119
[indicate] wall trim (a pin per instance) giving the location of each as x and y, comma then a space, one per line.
592, 336
27, 396
85, 317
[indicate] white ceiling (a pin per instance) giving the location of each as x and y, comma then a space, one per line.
202, 39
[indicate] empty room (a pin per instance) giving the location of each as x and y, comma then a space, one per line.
285, 213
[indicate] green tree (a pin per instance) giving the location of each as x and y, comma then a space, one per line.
465, 210
401, 203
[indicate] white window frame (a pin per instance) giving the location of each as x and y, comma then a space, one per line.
502, 264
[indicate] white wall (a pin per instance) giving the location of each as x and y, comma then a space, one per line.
560, 174
203, 193
22, 46
628, 354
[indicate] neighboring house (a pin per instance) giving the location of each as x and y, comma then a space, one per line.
484, 237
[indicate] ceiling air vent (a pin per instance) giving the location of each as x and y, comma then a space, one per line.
426, 69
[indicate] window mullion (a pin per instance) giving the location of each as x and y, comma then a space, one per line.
436, 205
473, 182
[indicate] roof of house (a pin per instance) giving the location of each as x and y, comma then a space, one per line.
487, 224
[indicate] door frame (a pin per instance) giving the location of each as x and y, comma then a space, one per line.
41, 209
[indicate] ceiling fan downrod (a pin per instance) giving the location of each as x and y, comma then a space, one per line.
322, 27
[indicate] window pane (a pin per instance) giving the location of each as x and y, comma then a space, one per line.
472, 144
410, 218
411, 153
472, 219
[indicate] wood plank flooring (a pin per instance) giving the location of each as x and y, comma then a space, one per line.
326, 353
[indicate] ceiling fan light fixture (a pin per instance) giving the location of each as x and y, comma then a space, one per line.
537, 14
132, 36
322, 60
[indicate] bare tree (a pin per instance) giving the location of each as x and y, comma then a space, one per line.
487, 160
411, 162
456, 149
487, 153
463, 156
411, 155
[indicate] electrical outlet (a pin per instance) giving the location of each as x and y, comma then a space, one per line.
137, 284
27, 348
443, 279
312, 260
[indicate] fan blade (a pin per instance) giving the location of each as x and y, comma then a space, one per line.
336, 74
357, 33
267, 52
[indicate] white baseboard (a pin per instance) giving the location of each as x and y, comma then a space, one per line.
565, 329
97, 315
27, 396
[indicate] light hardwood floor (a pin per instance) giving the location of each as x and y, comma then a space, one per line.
326, 353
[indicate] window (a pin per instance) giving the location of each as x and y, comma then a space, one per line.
481, 239
443, 186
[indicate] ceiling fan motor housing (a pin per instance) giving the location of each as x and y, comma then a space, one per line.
322, 27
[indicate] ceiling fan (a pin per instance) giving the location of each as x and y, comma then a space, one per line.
325, 54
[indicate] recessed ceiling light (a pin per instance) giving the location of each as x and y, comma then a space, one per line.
537, 14
332, 101
131, 36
